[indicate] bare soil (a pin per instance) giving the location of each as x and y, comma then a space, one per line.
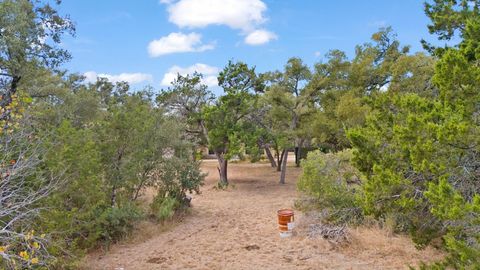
237, 229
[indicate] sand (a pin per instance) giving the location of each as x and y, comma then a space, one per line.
237, 229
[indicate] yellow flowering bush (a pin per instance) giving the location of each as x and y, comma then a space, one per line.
26, 254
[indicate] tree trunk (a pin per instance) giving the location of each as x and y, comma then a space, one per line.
299, 153
284, 166
270, 157
143, 179
280, 159
222, 169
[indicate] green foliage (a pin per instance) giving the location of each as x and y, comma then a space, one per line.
117, 222
74, 154
30, 45
175, 177
87, 152
419, 151
334, 184
186, 99
417, 133
461, 238
107, 156
449, 19
164, 207
225, 120
340, 87
289, 102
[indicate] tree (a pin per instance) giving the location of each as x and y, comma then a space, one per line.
331, 87
449, 19
420, 152
30, 34
86, 152
290, 102
261, 135
225, 119
186, 99
342, 86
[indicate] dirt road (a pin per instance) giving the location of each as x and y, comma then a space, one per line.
237, 229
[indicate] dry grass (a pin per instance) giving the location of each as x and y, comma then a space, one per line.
237, 229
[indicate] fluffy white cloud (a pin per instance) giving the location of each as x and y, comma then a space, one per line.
177, 43
209, 74
259, 37
133, 78
237, 14
244, 15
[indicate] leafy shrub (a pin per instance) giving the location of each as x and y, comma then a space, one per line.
333, 183
164, 207
116, 222
175, 179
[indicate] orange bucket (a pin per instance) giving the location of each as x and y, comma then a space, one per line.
285, 222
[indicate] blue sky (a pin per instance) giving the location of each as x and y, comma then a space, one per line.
146, 41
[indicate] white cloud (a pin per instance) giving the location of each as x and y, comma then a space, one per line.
132, 78
177, 43
259, 37
237, 14
244, 15
209, 74
317, 54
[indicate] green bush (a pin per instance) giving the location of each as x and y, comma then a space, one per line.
164, 207
117, 222
333, 183
176, 178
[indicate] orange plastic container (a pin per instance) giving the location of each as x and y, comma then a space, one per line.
285, 222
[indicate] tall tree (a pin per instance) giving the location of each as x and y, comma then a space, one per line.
186, 99
30, 34
262, 132
420, 152
291, 101
341, 86
225, 119
449, 19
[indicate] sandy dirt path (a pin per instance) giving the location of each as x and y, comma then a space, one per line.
237, 229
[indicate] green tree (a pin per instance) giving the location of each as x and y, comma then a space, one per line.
290, 102
449, 20
226, 118
73, 208
420, 152
341, 86
330, 86
186, 99
261, 133
30, 34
